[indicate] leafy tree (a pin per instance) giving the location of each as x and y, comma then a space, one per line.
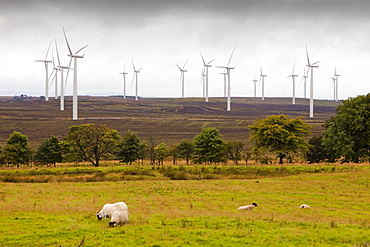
174, 152
280, 134
209, 146
151, 150
129, 148
92, 142
233, 150
317, 152
161, 152
49, 151
185, 150
17, 150
347, 135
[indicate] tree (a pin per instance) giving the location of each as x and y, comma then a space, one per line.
174, 152
129, 148
209, 146
17, 150
185, 150
318, 152
92, 142
347, 135
233, 150
281, 134
161, 152
49, 152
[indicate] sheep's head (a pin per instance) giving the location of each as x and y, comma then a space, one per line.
254, 204
112, 224
99, 216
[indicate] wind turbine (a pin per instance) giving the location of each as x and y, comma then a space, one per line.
262, 78
62, 84
136, 71
206, 66
56, 69
203, 83
225, 75
336, 86
311, 66
255, 85
182, 77
293, 77
228, 68
124, 80
305, 75
74, 56
46, 62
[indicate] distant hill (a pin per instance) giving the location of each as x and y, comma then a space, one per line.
167, 120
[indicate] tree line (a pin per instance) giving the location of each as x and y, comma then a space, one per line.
345, 139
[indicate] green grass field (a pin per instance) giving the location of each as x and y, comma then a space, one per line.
193, 212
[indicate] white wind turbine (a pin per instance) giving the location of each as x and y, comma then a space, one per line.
304, 77
182, 77
206, 66
46, 62
62, 83
203, 83
55, 78
74, 56
262, 78
124, 80
255, 85
228, 68
336, 82
136, 72
225, 75
334, 86
311, 66
293, 77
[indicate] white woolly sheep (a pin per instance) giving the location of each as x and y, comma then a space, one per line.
119, 217
109, 208
304, 206
248, 207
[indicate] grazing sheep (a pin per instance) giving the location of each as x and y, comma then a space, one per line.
248, 207
119, 217
304, 206
109, 208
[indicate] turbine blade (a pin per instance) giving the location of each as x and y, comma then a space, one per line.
210, 61
52, 56
308, 59
124, 67
133, 65
294, 66
69, 67
65, 36
231, 56
179, 67
204, 62
185, 64
56, 46
48, 50
82, 48
132, 82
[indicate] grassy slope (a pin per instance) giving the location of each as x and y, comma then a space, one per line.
165, 120
192, 213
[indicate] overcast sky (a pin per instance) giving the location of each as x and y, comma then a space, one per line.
157, 34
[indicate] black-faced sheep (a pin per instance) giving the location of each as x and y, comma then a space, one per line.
248, 207
304, 206
119, 217
108, 209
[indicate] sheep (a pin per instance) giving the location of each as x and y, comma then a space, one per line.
304, 206
109, 208
119, 217
248, 207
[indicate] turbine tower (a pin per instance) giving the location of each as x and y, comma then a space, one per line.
225, 75
56, 69
182, 77
305, 76
311, 66
136, 72
293, 77
46, 62
62, 84
262, 78
336, 86
74, 56
228, 68
206, 66
124, 80
255, 85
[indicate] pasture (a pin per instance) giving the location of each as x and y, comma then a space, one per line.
166, 212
